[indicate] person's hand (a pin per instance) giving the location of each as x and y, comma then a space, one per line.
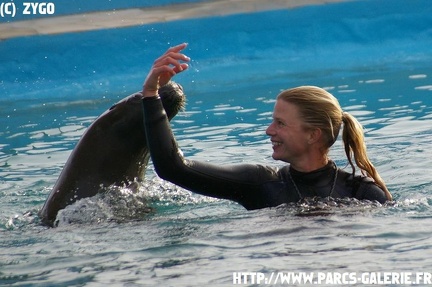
164, 68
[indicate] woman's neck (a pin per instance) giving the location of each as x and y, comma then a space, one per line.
310, 165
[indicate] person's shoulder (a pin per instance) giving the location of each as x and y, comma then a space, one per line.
368, 189
271, 172
266, 173
354, 179
363, 187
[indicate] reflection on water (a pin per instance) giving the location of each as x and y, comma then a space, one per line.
225, 127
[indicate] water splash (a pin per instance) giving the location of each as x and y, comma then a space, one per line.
156, 196
124, 204
317, 206
116, 204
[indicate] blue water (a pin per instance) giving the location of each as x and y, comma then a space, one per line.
373, 56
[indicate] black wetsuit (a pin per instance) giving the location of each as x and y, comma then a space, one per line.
253, 186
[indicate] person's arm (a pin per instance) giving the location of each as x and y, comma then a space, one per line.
242, 183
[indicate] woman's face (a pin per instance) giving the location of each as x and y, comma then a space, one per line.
288, 134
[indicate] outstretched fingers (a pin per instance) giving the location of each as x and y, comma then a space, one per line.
177, 48
172, 60
173, 57
164, 68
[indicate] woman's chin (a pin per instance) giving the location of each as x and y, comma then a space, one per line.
275, 156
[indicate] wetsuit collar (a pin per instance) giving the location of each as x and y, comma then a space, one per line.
325, 172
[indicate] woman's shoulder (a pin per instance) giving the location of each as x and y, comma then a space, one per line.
364, 187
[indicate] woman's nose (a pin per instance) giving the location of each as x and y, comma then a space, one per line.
270, 130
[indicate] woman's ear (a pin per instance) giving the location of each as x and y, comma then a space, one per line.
315, 135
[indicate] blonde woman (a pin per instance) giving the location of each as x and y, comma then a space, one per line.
306, 123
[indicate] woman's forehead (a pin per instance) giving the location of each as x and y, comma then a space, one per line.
285, 108
286, 111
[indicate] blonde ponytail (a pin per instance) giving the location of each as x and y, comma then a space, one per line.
354, 144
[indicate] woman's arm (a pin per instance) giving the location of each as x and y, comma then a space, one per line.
241, 183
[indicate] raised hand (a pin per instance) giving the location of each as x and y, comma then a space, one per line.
164, 68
